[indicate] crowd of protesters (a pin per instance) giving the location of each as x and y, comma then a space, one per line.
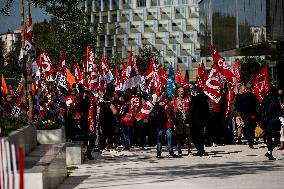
188, 117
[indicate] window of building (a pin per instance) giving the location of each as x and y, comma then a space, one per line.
168, 2
98, 5
183, 2
141, 3
174, 47
102, 38
180, 10
106, 5
174, 24
155, 3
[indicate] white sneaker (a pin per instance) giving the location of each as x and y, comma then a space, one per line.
214, 145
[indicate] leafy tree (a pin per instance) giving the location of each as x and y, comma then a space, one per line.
145, 57
12, 69
249, 66
68, 31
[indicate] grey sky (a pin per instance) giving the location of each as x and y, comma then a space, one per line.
13, 21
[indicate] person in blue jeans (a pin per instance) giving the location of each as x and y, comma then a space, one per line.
160, 119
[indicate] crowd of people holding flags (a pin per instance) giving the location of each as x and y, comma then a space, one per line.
156, 105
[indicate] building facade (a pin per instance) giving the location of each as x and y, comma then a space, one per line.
245, 28
169, 26
9, 39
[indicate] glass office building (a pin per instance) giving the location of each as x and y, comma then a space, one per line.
244, 28
170, 26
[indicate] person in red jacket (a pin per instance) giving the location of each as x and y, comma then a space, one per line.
180, 118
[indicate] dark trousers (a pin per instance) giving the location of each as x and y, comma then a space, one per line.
197, 135
107, 137
272, 140
139, 134
250, 125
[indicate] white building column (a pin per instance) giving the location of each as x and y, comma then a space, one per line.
102, 5
110, 5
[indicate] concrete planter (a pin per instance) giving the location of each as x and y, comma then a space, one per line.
51, 136
24, 137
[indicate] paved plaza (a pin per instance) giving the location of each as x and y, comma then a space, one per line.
230, 166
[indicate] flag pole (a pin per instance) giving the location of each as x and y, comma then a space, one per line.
29, 73
24, 58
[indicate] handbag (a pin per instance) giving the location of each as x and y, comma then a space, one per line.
259, 132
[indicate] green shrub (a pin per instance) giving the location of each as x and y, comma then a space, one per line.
8, 125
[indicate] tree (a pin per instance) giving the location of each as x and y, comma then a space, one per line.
145, 57
249, 66
12, 69
68, 31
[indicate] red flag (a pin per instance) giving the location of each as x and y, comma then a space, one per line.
230, 97
77, 74
105, 72
152, 77
262, 80
28, 36
91, 121
148, 107
118, 80
256, 90
124, 71
138, 65
61, 75
130, 63
45, 65
185, 80
237, 70
222, 67
91, 61
94, 83
212, 85
163, 77
179, 78
202, 77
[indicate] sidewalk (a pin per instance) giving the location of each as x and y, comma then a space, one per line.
230, 166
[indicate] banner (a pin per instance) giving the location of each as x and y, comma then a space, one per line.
148, 107
201, 79
212, 85
179, 78
222, 67
236, 69
61, 76
45, 65
28, 35
171, 86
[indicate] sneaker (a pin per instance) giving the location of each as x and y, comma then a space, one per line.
198, 154
172, 156
214, 144
252, 147
281, 148
240, 142
126, 149
270, 156
90, 157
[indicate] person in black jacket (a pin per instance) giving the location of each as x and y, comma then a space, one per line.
198, 116
272, 125
247, 105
